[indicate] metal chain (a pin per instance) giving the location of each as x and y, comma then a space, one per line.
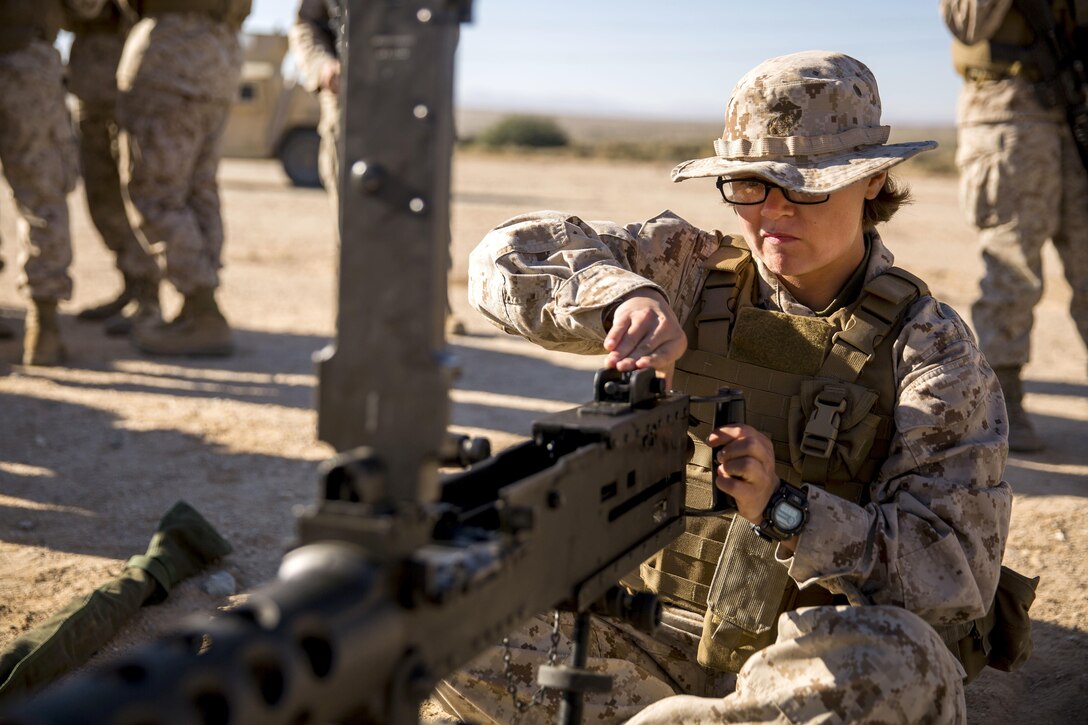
508, 670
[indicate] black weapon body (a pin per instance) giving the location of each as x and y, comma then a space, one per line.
363, 621
403, 574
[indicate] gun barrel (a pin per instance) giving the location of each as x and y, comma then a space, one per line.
294, 652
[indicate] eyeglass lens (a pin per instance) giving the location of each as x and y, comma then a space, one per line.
753, 191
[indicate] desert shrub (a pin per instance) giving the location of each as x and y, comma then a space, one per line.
530, 131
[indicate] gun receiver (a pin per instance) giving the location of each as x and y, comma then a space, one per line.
380, 602
402, 575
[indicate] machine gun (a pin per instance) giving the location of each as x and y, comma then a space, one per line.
403, 575
1063, 67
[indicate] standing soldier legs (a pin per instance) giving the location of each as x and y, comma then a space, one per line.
37, 153
1015, 201
98, 157
169, 154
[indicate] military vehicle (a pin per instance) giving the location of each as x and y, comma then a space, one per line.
273, 116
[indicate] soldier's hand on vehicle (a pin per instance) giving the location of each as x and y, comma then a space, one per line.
745, 468
645, 333
329, 76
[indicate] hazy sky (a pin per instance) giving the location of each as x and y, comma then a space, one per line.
678, 59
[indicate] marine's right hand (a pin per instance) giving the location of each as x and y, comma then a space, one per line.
645, 333
328, 78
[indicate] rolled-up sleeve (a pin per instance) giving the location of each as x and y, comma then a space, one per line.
933, 536
549, 276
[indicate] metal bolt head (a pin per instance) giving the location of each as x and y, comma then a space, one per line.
368, 178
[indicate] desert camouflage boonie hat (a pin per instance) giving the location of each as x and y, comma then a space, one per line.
809, 122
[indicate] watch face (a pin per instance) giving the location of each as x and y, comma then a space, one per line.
787, 517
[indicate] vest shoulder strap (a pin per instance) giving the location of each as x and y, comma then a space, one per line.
721, 289
883, 302
730, 256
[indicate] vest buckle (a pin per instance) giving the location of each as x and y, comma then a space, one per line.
822, 428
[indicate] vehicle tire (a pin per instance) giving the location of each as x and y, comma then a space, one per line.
298, 153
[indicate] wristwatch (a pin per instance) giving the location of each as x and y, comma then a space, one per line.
785, 515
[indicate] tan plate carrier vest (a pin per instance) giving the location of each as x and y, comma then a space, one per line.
1007, 52
824, 391
231, 12
24, 21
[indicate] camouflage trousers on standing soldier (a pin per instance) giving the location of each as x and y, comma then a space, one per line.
169, 160
839, 664
1011, 193
37, 152
92, 70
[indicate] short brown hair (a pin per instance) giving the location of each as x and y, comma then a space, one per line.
893, 195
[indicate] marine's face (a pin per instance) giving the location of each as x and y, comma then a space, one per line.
812, 248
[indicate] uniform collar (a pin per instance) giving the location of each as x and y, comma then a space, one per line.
773, 295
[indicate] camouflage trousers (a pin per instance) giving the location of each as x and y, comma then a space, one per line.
170, 150
829, 664
328, 159
37, 150
1020, 185
98, 156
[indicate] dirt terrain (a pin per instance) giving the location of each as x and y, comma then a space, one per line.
94, 453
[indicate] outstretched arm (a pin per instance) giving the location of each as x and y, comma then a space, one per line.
554, 279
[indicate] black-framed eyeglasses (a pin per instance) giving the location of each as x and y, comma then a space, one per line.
744, 192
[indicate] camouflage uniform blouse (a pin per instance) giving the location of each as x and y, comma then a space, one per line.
933, 536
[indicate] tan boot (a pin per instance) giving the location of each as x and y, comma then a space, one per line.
1022, 436
41, 340
110, 308
143, 309
199, 330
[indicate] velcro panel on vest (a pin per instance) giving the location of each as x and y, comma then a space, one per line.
882, 303
778, 341
747, 564
736, 622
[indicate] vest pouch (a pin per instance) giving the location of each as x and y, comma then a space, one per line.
831, 429
750, 588
1010, 638
1001, 639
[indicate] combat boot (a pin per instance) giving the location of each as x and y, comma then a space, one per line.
1022, 436
108, 309
41, 340
199, 330
143, 308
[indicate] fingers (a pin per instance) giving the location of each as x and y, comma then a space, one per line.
644, 333
744, 468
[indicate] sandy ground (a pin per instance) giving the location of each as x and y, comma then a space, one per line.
94, 453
